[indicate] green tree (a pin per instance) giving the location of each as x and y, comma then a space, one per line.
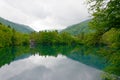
105, 16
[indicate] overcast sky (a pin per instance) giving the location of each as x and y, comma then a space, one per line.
44, 14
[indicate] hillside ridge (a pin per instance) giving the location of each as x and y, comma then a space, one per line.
18, 27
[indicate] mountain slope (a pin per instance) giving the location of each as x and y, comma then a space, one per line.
16, 26
78, 28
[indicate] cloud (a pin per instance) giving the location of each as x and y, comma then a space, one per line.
48, 68
44, 14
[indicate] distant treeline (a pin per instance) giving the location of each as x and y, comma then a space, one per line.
53, 38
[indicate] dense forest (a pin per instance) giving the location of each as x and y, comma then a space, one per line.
105, 22
54, 38
10, 37
80, 28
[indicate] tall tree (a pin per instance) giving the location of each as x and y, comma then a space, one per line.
106, 15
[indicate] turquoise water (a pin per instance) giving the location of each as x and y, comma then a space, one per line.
51, 63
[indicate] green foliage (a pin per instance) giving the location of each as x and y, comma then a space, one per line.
17, 27
66, 38
5, 36
113, 57
19, 39
77, 29
112, 38
53, 37
106, 21
9, 37
91, 39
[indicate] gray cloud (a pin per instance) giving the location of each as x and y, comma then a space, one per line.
48, 68
44, 14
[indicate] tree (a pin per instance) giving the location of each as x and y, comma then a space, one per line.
106, 15
5, 36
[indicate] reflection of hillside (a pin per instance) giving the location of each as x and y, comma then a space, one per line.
9, 54
76, 53
82, 54
90, 60
52, 50
6, 56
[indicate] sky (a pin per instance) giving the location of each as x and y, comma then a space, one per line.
44, 14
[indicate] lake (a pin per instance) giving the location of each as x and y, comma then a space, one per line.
51, 63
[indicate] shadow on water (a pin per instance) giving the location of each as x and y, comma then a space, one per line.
98, 57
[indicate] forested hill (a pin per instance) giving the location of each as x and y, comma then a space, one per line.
10, 37
76, 29
18, 27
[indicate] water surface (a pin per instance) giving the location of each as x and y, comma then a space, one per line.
50, 63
